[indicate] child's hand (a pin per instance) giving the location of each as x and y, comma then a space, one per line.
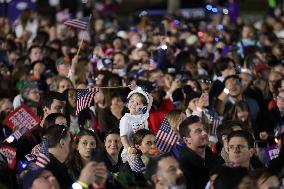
133, 85
131, 150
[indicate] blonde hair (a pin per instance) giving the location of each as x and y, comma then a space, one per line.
173, 117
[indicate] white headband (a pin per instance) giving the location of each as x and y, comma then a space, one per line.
140, 91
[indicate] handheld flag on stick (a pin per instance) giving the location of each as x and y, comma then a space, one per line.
84, 98
81, 23
43, 156
166, 137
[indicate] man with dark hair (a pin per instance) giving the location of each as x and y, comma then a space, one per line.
58, 147
223, 131
52, 102
240, 148
163, 171
196, 158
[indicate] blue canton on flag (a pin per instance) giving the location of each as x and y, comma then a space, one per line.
81, 23
166, 137
84, 98
43, 156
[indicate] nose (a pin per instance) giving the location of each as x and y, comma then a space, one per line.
179, 172
204, 132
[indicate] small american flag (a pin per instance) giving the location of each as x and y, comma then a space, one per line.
138, 165
43, 156
19, 133
84, 98
166, 137
81, 23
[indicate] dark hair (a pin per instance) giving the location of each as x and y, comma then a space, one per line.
243, 134
238, 107
51, 118
54, 134
184, 129
33, 47
230, 177
232, 77
47, 99
74, 161
139, 135
222, 64
113, 131
262, 175
152, 167
227, 127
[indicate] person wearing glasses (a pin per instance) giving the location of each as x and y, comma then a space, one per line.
240, 149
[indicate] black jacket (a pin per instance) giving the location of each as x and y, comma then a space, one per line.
195, 168
59, 170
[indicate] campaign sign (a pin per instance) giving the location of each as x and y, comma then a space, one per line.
23, 116
10, 154
271, 152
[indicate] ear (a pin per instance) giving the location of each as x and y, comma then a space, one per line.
61, 142
224, 138
187, 140
137, 146
45, 110
251, 151
155, 179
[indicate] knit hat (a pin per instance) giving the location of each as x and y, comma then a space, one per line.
31, 176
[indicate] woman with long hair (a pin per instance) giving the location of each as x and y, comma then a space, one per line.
240, 112
81, 152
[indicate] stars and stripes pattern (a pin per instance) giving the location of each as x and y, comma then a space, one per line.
138, 165
19, 133
43, 157
81, 23
84, 98
166, 137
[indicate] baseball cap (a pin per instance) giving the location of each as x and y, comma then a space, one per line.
63, 60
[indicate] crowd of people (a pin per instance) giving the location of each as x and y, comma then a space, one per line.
180, 103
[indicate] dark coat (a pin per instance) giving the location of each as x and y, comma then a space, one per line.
195, 168
60, 172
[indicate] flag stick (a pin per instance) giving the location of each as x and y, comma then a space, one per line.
81, 43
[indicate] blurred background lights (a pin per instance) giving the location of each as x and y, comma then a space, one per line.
209, 7
225, 11
215, 10
139, 45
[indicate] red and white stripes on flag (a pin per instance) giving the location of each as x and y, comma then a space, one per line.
84, 98
43, 156
81, 23
166, 137
19, 133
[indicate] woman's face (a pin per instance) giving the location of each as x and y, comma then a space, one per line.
113, 144
72, 98
99, 97
242, 116
85, 146
63, 85
149, 142
117, 102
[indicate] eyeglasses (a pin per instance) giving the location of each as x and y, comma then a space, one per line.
280, 98
237, 147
